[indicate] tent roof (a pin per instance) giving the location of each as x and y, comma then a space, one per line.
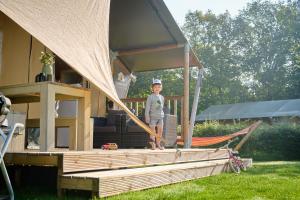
251, 110
146, 36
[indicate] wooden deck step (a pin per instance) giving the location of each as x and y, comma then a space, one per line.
80, 161
112, 182
73, 162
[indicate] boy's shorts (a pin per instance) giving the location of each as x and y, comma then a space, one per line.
156, 122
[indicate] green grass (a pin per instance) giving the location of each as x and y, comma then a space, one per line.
266, 180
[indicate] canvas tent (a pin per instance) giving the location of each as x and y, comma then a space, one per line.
146, 36
81, 33
250, 110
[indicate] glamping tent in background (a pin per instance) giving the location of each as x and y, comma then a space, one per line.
76, 32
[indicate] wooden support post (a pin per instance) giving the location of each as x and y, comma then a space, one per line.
181, 118
186, 95
130, 104
143, 104
175, 107
195, 105
137, 108
169, 104
47, 122
85, 137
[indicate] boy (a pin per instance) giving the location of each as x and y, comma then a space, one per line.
154, 113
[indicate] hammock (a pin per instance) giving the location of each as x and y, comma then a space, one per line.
207, 141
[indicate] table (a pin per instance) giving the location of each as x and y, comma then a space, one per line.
47, 93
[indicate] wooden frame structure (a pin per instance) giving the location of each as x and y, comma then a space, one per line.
47, 93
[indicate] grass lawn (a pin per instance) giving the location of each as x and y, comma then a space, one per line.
268, 180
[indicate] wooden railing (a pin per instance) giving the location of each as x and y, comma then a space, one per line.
172, 102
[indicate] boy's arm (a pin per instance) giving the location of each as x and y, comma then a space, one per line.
147, 110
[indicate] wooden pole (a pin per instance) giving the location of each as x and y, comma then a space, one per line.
186, 95
175, 107
195, 105
181, 118
137, 108
242, 142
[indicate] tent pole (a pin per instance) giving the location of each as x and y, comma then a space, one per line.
195, 105
186, 95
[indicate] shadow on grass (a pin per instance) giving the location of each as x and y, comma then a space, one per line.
285, 170
44, 193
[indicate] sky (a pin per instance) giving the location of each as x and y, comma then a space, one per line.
179, 8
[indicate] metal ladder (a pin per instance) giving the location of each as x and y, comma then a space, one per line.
6, 138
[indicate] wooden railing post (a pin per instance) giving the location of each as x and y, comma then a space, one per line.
175, 107
137, 108
138, 101
181, 118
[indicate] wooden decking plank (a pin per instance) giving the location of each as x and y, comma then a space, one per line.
76, 161
31, 159
118, 181
121, 159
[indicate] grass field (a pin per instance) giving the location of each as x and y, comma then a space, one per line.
268, 180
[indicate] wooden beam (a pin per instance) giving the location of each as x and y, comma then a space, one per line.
243, 141
186, 95
149, 49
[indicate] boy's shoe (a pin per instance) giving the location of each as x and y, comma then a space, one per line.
153, 146
160, 146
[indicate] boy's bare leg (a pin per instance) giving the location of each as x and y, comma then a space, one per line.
152, 138
158, 141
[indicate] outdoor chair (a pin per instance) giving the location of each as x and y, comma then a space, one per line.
108, 130
133, 136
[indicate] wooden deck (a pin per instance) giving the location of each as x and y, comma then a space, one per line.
112, 182
106, 173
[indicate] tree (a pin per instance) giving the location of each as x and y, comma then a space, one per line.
266, 38
253, 56
213, 38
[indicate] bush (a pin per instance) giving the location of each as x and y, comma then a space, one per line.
279, 141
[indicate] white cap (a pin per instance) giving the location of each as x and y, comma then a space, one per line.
156, 81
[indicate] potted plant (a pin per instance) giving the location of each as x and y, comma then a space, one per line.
48, 60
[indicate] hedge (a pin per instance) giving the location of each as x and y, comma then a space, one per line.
279, 141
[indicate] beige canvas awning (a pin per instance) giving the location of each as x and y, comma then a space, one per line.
78, 32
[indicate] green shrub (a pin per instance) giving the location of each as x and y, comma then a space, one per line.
214, 128
276, 142
279, 141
